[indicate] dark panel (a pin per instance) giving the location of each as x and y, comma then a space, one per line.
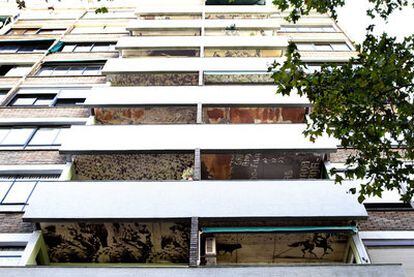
117, 242
284, 165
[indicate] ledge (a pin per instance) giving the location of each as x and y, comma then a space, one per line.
118, 200
191, 95
188, 137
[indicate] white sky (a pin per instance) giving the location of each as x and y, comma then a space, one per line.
353, 20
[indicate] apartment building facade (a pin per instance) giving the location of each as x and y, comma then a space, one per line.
151, 136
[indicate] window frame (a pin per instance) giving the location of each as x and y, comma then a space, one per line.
53, 68
57, 92
18, 179
26, 145
313, 46
308, 29
92, 46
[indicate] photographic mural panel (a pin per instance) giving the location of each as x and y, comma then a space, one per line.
281, 247
261, 165
177, 166
163, 242
252, 114
146, 115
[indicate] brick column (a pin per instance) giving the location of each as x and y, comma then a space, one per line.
197, 165
194, 241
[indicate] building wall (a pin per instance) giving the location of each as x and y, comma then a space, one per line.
13, 223
388, 221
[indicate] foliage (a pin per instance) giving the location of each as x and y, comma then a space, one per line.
366, 103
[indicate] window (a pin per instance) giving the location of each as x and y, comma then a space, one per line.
18, 71
15, 190
14, 70
30, 137
25, 47
51, 31
20, 31
32, 31
110, 14
3, 93
308, 29
49, 97
89, 47
341, 46
99, 30
70, 70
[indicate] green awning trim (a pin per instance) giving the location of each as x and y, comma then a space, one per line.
57, 47
211, 230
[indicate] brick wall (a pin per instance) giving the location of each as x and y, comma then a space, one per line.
13, 223
388, 221
30, 157
43, 112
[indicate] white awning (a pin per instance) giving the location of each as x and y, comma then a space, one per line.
185, 199
187, 137
191, 95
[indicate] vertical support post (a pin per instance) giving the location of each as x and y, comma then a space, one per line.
197, 165
194, 243
199, 113
35, 246
359, 250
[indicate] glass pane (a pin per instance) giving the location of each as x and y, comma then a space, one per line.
83, 48
31, 31
4, 188
24, 101
8, 49
19, 193
44, 136
340, 47
101, 48
329, 29
60, 136
93, 70
51, 31
46, 71
68, 48
76, 70
305, 47
323, 47
26, 49
3, 133
43, 102
18, 71
60, 71
17, 136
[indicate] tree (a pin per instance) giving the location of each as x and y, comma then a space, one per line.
365, 103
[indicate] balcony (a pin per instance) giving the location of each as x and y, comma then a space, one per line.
182, 104
385, 270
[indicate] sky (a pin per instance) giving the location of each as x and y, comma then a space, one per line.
353, 20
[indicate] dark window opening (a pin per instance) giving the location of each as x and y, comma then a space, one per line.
388, 207
5, 68
69, 101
